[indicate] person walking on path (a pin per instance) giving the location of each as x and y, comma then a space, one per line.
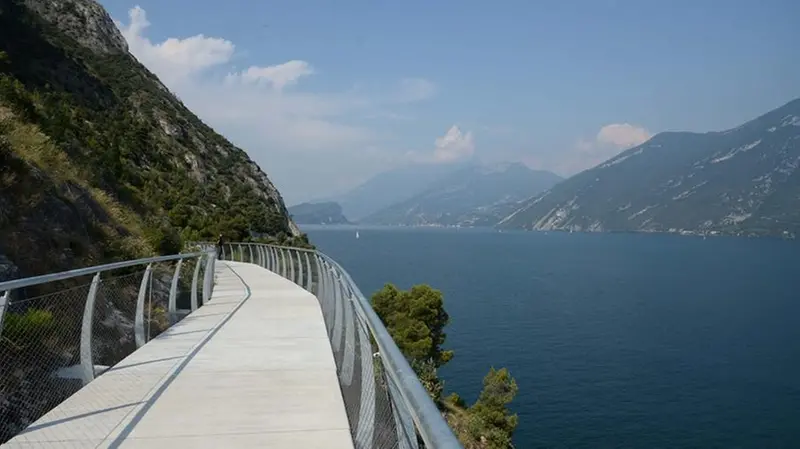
220, 242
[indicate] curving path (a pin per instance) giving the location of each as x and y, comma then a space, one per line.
251, 368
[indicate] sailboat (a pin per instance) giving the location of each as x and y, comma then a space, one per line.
356, 234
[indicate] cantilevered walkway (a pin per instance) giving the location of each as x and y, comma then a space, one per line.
253, 367
277, 348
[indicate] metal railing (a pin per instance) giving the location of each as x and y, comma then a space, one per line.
59, 331
386, 404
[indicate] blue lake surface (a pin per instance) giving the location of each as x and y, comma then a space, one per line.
615, 340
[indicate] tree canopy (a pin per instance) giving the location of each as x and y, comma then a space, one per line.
416, 320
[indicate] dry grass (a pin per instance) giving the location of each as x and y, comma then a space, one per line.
34, 147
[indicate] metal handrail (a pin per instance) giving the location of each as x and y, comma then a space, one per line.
86, 370
428, 420
433, 429
45, 278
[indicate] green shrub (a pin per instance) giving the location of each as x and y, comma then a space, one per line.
29, 329
164, 240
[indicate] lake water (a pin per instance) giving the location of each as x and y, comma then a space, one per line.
615, 340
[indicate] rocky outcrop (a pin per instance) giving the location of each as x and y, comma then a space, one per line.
8, 270
83, 20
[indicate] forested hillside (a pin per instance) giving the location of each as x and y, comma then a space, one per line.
98, 160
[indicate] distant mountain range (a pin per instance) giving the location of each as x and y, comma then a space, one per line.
740, 181
473, 195
390, 187
318, 213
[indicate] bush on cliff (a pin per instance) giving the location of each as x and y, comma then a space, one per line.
416, 319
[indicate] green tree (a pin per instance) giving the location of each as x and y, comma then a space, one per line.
490, 420
164, 239
416, 320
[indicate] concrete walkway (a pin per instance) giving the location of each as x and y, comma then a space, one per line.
252, 368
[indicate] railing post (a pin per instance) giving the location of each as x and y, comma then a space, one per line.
327, 309
195, 277
291, 265
273, 259
173, 294
282, 263
338, 313
87, 364
208, 276
319, 279
250, 249
300, 268
260, 253
241, 252
139, 319
308, 273
231, 258
4, 300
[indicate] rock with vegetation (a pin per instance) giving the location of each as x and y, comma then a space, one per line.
327, 213
98, 160
416, 319
741, 181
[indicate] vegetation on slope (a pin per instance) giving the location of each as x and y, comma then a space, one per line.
743, 181
416, 319
99, 161
327, 213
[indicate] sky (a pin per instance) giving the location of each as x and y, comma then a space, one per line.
324, 94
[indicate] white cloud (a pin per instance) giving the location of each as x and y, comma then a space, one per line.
173, 59
279, 76
586, 153
255, 106
622, 135
453, 146
609, 142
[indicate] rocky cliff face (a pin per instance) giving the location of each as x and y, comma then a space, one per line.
100, 160
84, 21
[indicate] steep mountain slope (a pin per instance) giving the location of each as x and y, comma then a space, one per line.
387, 188
744, 180
98, 160
474, 195
318, 213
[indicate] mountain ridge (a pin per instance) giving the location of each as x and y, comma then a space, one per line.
387, 188
740, 180
470, 196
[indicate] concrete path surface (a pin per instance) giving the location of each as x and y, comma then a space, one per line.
252, 368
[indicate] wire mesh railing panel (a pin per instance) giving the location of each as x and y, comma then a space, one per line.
59, 331
113, 327
156, 310
39, 356
362, 376
184, 293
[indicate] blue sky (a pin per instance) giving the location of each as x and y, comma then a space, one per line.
324, 94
